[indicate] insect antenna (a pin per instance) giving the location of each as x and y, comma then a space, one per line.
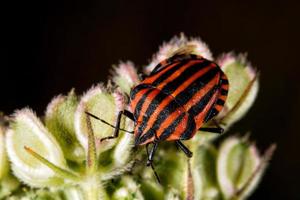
105, 122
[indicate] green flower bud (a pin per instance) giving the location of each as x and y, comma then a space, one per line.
8, 183
203, 168
231, 172
122, 150
113, 155
59, 119
170, 166
240, 167
243, 87
101, 103
125, 76
27, 131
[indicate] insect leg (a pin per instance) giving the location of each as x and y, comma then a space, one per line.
151, 154
124, 112
150, 159
116, 132
216, 129
187, 152
128, 114
117, 127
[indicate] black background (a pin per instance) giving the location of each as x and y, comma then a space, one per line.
53, 46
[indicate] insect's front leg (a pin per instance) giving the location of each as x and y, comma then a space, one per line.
117, 126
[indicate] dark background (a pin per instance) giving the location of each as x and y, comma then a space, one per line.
51, 47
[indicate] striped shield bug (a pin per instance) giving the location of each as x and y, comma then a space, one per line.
181, 94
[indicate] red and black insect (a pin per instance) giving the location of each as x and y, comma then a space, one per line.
181, 94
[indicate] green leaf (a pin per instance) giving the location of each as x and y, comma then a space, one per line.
237, 161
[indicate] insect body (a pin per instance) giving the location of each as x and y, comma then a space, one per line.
177, 98
181, 94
